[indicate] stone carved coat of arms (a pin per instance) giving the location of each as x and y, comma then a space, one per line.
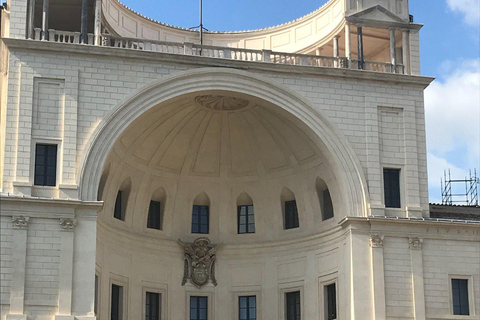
199, 262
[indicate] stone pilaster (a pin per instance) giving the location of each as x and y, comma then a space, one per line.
19, 255
66, 269
417, 278
378, 277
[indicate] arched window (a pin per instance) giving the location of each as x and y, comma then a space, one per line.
289, 208
245, 214
201, 214
121, 201
156, 209
325, 199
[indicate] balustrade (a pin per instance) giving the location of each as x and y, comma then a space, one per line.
220, 52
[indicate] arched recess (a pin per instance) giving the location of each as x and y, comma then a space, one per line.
201, 199
244, 199
156, 209
121, 199
348, 169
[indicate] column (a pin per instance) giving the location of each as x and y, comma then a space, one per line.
66, 270
45, 19
19, 256
335, 51
31, 15
348, 45
84, 23
378, 277
393, 54
98, 22
405, 51
360, 47
417, 278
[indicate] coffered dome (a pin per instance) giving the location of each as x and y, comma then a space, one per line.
218, 135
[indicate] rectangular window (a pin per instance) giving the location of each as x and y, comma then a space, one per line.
247, 306
154, 216
460, 297
330, 294
246, 219
152, 306
45, 165
391, 185
117, 211
291, 215
116, 310
200, 217
327, 205
292, 301
198, 308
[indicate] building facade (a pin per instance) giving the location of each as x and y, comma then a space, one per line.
270, 174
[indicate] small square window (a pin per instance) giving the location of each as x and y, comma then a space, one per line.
152, 306
292, 308
198, 308
246, 219
154, 220
391, 185
45, 165
291, 215
247, 307
200, 219
460, 297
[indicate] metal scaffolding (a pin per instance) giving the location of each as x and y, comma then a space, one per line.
452, 189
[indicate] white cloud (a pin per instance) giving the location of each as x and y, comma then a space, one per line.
452, 108
469, 8
436, 168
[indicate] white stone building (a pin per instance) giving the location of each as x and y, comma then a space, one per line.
298, 150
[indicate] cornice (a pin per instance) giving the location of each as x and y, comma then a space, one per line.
14, 199
427, 222
80, 49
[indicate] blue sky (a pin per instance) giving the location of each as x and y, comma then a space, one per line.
450, 52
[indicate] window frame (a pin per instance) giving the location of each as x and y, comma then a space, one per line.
471, 298
248, 309
247, 222
247, 291
57, 162
159, 304
155, 288
326, 300
287, 304
286, 288
199, 223
122, 282
160, 213
190, 306
399, 170
297, 218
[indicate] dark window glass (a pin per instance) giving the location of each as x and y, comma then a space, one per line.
198, 308
292, 300
391, 185
117, 211
152, 306
460, 297
95, 304
291, 215
200, 219
154, 216
116, 307
246, 219
45, 165
247, 307
331, 302
327, 205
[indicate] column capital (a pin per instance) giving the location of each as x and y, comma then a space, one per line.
376, 240
415, 243
68, 224
20, 222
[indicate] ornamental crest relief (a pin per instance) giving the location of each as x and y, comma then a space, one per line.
199, 262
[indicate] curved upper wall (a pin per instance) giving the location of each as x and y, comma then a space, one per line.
301, 35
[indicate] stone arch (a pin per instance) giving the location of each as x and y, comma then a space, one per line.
348, 169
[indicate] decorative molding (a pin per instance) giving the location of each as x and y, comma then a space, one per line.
376, 241
20, 222
199, 262
415, 243
68, 224
221, 103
